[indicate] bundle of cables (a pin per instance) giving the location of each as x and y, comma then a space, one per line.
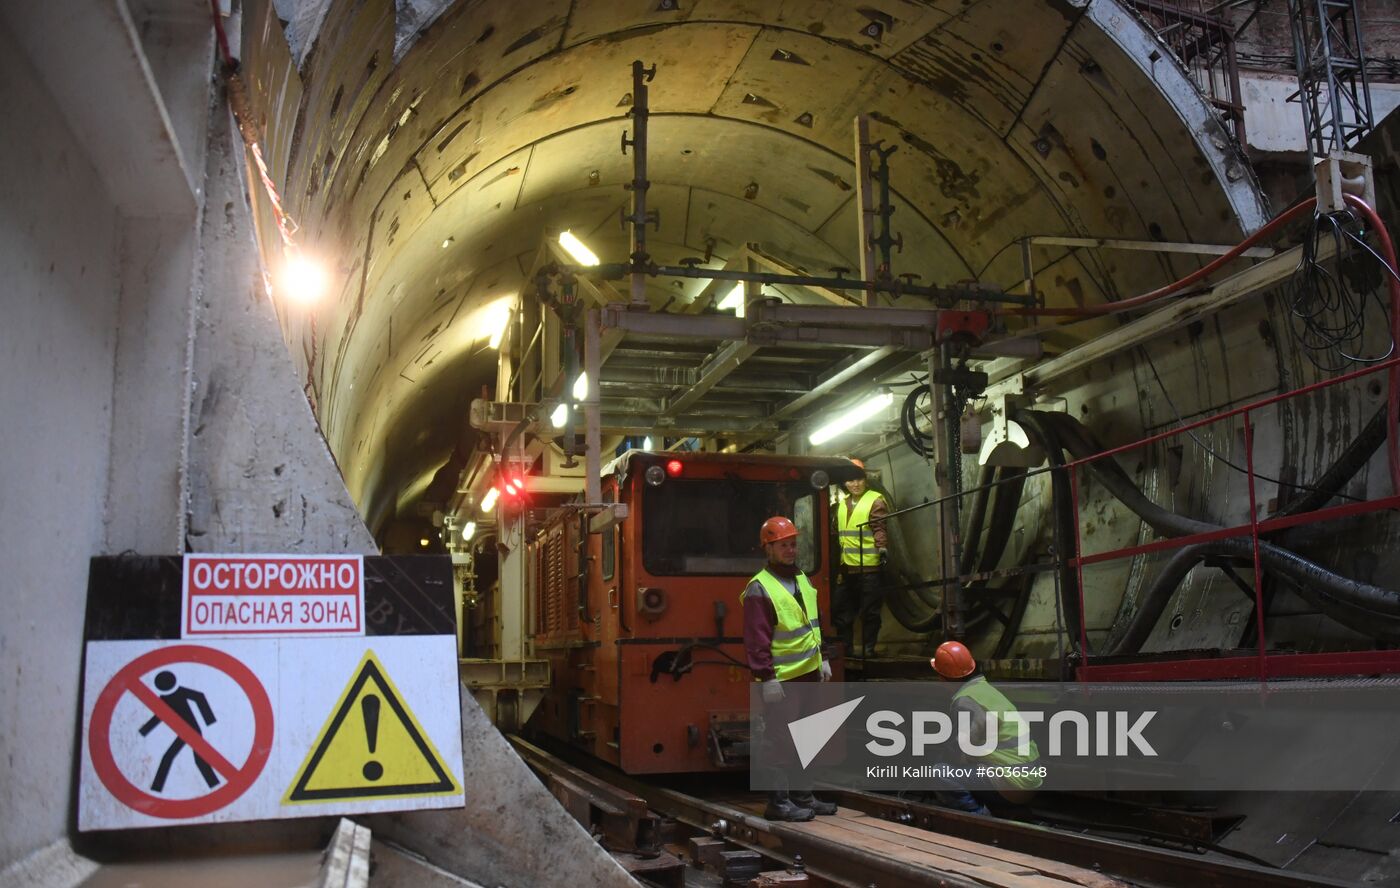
916, 420
1327, 298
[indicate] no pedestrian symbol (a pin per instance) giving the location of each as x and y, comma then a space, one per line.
181, 709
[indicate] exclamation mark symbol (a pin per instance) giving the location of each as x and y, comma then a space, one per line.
369, 708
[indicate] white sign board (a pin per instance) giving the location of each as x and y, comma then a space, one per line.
250, 718
252, 730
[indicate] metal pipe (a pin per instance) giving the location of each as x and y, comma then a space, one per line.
639, 185
884, 240
592, 365
1270, 228
865, 213
894, 287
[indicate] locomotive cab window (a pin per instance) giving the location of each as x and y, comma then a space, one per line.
710, 526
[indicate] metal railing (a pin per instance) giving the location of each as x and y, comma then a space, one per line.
1265, 664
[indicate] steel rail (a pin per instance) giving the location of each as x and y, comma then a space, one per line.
830, 862
1134, 863
842, 864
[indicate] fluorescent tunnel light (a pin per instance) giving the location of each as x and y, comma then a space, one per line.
488, 502
734, 300
575, 248
852, 417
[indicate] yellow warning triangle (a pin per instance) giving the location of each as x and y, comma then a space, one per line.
371, 747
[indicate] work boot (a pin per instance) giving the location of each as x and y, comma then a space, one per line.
781, 807
962, 800
807, 800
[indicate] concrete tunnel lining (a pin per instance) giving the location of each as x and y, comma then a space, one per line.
504, 98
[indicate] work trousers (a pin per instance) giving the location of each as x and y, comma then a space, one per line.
785, 769
858, 595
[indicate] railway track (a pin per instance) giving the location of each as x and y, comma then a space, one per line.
664, 836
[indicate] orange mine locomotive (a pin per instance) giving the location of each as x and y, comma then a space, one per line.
642, 623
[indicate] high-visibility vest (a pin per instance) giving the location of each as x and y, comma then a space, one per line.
858, 547
796, 645
993, 700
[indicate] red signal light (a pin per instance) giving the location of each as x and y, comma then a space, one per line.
674, 467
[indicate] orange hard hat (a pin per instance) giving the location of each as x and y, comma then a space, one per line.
860, 464
953, 660
776, 528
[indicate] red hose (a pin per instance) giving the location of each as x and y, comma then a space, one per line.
1387, 254
1392, 446
1108, 308
219, 32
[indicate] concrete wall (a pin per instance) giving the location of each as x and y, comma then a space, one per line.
108, 275
261, 477
58, 247
1274, 124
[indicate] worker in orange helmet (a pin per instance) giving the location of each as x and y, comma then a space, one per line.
954, 663
860, 536
782, 638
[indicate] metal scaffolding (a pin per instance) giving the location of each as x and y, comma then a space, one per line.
1204, 41
1331, 64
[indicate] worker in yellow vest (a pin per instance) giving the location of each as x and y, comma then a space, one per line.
860, 534
954, 663
782, 639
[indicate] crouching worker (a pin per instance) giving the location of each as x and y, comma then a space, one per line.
782, 638
954, 663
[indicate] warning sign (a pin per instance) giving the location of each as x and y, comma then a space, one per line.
227, 596
267, 725
371, 746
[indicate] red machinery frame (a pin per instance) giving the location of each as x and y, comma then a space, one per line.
1263, 664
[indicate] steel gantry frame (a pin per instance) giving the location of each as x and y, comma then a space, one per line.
1331, 62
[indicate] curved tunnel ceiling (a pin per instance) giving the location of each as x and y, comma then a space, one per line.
436, 179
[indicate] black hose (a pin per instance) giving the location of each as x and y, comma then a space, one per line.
1006, 503
907, 603
1155, 599
1062, 504
1356, 455
973, 537
1013, 623
1361, 607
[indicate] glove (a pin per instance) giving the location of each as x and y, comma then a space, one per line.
826, 671
772, 691
884, 555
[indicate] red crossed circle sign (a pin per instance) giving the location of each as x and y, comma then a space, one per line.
236, 779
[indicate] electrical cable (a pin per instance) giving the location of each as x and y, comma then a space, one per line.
1201, 444
1326, 314
920, 443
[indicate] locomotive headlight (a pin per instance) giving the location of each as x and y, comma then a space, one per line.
651, 602
820, 479
655, 475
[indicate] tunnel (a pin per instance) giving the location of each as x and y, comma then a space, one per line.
791, 207
428, 157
